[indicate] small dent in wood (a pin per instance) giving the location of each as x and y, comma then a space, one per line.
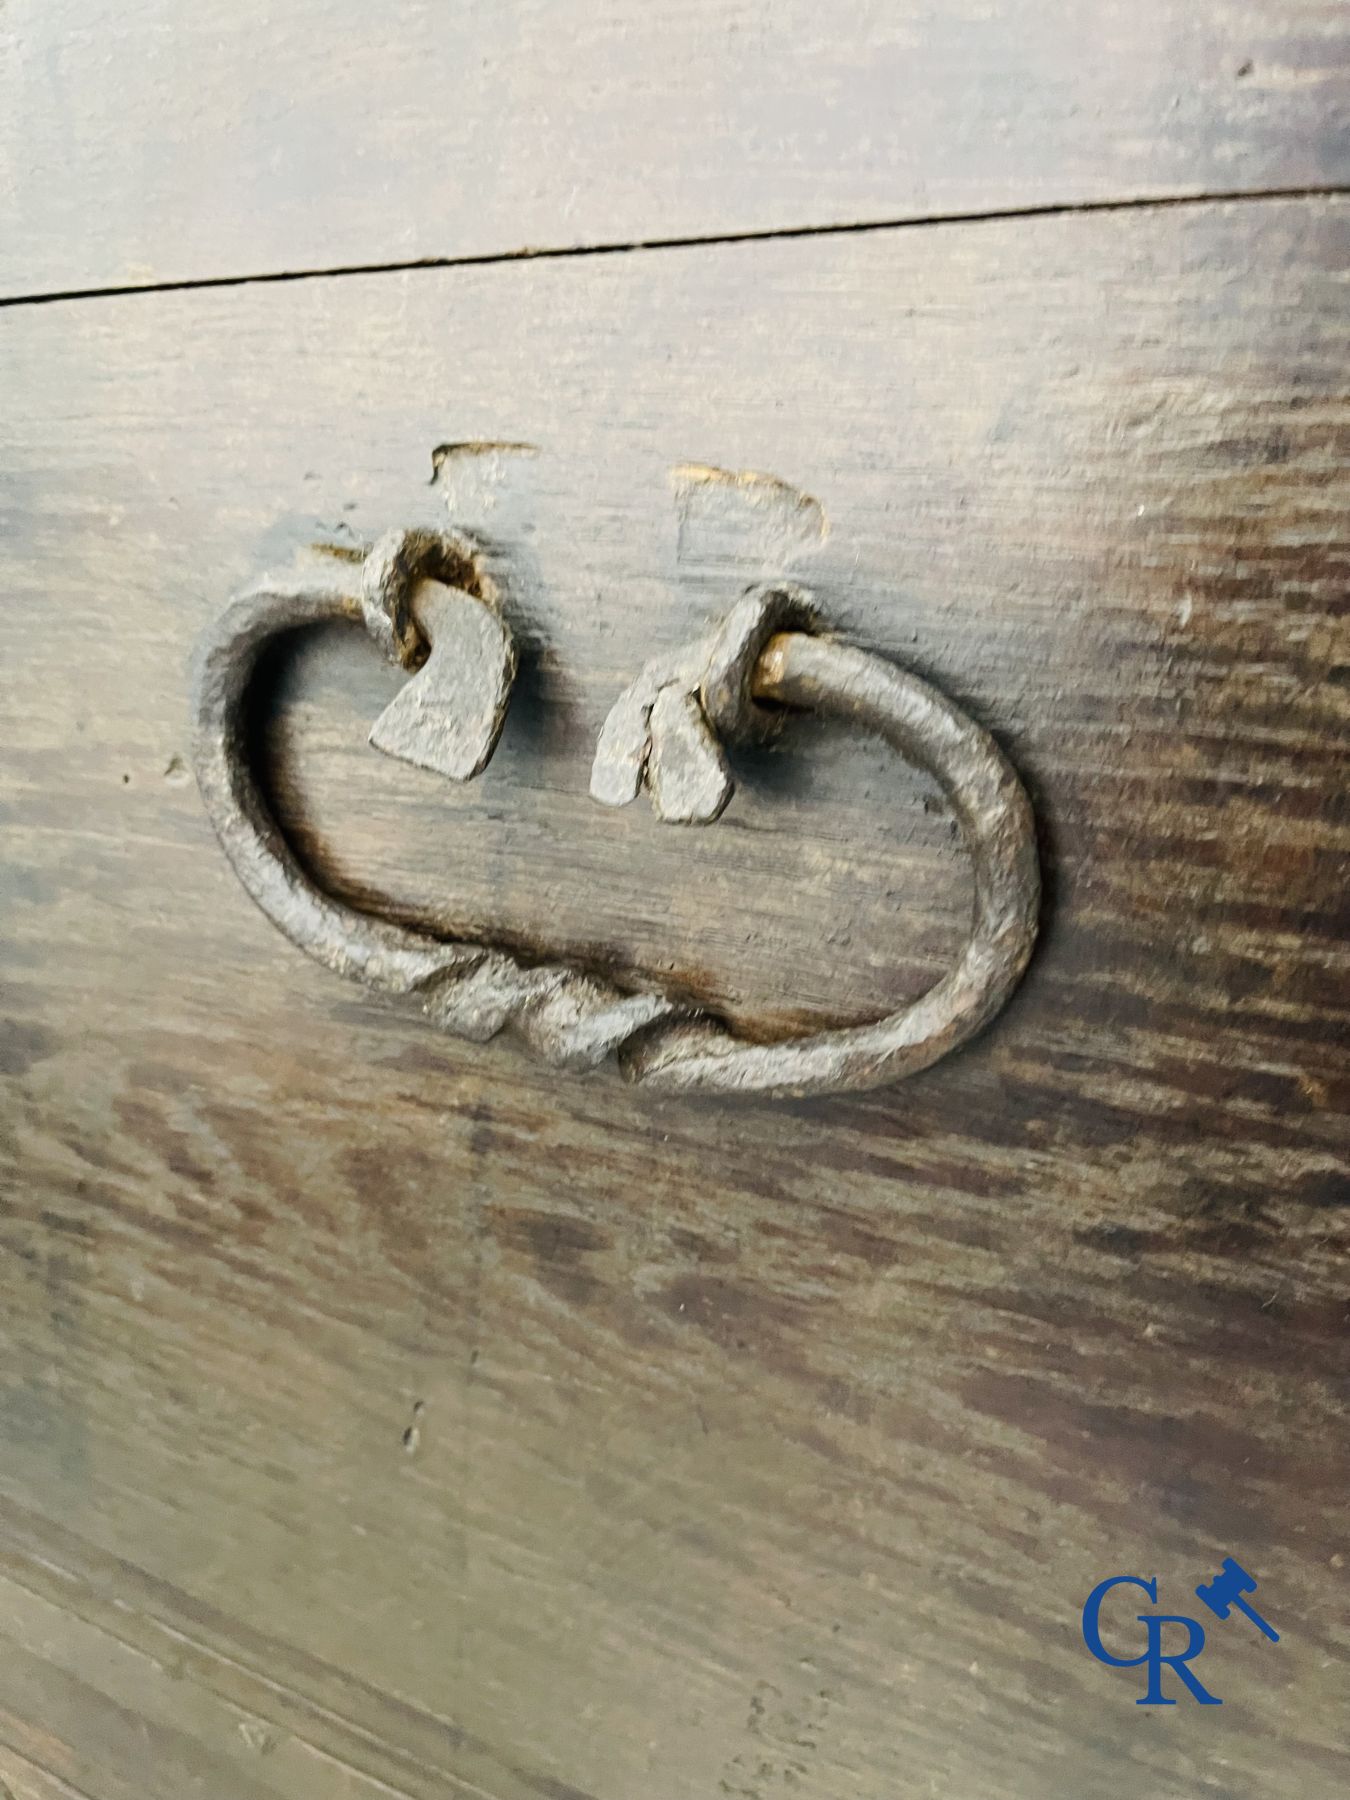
412, 1435
477, 476
744, 517
259, 1737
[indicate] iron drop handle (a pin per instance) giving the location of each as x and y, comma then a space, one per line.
426, 601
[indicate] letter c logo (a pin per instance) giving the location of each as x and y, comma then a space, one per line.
1092, 1607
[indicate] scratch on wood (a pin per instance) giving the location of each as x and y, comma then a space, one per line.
472, 448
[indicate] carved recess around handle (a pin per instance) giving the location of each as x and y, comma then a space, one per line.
425, 600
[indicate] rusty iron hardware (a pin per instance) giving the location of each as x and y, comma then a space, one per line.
427, 602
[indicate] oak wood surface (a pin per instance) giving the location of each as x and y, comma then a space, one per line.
384, 1415
146, 141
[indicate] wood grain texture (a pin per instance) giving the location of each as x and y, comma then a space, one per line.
146, 142
381, 1415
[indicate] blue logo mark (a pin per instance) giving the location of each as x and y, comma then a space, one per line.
1227, 1589
1220, 1595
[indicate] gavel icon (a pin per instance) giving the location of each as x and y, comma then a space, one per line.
1226, 1591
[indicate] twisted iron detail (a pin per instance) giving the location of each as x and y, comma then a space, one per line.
424, 600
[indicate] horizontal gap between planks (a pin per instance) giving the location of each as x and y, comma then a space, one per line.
771, 234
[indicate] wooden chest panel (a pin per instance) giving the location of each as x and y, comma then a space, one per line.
144, 142
385, 1415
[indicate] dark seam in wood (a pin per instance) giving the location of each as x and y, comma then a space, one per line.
1051, 209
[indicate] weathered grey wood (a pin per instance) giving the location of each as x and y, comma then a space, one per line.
380, 1414
147, 141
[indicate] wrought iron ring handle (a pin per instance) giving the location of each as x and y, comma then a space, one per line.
426, 601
